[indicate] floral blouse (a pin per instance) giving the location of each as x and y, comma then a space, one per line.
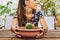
35, 18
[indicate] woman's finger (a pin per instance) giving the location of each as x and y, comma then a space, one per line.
41, 30
18, 35
39, 35
16, 31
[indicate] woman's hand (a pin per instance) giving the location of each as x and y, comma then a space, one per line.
15, 29
45, 29
41, 33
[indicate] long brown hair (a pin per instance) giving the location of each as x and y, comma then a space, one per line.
20, 13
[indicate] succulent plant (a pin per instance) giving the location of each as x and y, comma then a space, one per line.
29, 26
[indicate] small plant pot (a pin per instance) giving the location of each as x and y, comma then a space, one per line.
29, 32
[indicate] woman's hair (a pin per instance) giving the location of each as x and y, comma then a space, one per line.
21, 13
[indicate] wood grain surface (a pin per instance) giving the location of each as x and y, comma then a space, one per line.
50, 35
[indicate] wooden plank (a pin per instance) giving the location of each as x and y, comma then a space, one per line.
26, 39
5, 39
8, 33
50, 35
29, 39
37, 39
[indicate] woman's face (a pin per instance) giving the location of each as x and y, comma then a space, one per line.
32, 4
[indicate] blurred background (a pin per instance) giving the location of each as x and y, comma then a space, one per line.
50, 10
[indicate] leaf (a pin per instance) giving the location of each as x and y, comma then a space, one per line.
5, 9
12, 14
9, 2
8, 10
53, 11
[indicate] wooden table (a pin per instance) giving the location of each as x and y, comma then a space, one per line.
50, 35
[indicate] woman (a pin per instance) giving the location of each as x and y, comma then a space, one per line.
26, 14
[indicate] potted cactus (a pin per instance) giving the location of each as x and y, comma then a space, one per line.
29, 31
29, 26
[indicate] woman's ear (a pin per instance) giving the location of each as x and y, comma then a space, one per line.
26, 2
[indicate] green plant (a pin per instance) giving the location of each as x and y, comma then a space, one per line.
29, 26
45, 4
5, 8
53, 11
13, 13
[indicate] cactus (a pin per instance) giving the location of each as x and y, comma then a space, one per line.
29, 26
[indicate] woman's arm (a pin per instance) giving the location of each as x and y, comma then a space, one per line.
14, 22
43, 23
14, 25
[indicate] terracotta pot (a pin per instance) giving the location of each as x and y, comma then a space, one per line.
29, 32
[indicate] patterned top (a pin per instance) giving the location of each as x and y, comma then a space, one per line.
35, 18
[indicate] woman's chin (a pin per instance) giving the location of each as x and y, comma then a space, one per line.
34, 9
